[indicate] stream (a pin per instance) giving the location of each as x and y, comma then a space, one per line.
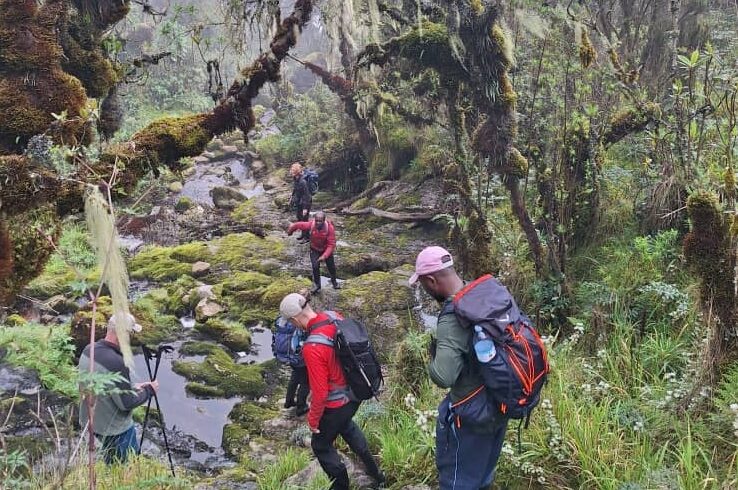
214, 174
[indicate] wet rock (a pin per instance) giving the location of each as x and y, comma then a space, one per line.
258, 167
204, 291
357, 475
226, 198
229, 178
207, 308
208, 155
18, 380
230, 149
189, 171
251, 155
175, 187
202, 159
200, 268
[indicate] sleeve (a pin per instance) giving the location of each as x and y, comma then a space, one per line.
331, 243
299, 225
318, 372
130, 399
445, 367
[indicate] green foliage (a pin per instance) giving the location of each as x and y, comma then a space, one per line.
47, 350
290, 462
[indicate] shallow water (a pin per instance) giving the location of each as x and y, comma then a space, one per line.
198, 186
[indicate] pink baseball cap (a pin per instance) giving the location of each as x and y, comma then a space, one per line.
430, 260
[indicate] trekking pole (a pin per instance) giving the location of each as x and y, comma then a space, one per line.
163, 348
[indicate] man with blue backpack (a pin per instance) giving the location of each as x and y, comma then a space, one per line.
287, 343
487, 352
305, 185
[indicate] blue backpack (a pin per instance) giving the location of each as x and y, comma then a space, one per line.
311, 177
287, 343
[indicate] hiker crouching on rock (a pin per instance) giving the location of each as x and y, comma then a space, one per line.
301, 199
466, 452
322, 245
113, 421
331, 409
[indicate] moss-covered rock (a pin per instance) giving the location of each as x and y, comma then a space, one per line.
248, 252
197, 348
247, 419
231, 334
383, 302
150, 311
222, 376
183, 204
163, 263
180, 300
15, 321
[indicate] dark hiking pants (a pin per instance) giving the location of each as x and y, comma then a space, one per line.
298, 384
303, 217
335, 422
466, 456
329, 262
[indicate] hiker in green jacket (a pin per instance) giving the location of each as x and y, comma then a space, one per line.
466, 453
113, 420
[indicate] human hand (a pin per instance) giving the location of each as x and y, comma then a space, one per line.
321, 258
305, 213
314, 430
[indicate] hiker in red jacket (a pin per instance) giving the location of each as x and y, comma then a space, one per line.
322, 246
331, 409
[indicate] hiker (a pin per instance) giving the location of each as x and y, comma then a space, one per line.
287, 343
332, 408
113, 422
301, 199
466, 452
322, 245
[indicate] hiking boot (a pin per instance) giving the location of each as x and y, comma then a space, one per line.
315, 290
300, 411
380, 480
289, 403
336, 285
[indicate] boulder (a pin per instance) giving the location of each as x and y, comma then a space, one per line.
230, 149
204, 292
358, 477
208, 154
176, 187
200, 268
226, 198
202, 158
207, 308
258, 167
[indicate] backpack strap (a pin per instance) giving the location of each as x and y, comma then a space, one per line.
447, 309
319, 338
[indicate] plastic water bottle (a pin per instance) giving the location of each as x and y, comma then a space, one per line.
483, 345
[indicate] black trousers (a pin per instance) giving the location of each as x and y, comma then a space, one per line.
298, 384
335, 422
329, 262
303, 217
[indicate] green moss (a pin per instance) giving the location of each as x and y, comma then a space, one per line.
82, 321
232, 335
629, 120
183, 204
247, 419
191, 252
236, 439
171, 138
150, 312
219, 372
15, 321
254, 297
200, 390
248, 252
180, 301
501, 46
197, 348
156, 263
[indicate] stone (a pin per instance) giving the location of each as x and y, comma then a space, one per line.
208, 154
155, 211
204, 292
230, 149
258, 167
201, 159
252, 155
207, 308
226, 198
189, 172
18, 379
61, 305
358, 478
200, 268
176, 187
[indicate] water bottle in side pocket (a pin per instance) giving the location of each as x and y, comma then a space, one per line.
484, 346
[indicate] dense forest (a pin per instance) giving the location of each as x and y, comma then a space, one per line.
583, 152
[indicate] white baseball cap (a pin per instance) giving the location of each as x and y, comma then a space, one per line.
134, 327
292, 305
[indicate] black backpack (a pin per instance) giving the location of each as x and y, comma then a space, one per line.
516, 374
355, 353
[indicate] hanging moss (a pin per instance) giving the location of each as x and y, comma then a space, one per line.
630, 120
587, 53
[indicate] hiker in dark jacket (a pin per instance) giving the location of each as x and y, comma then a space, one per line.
301, 199
331, 409
466, 455
113, 421
322, 246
